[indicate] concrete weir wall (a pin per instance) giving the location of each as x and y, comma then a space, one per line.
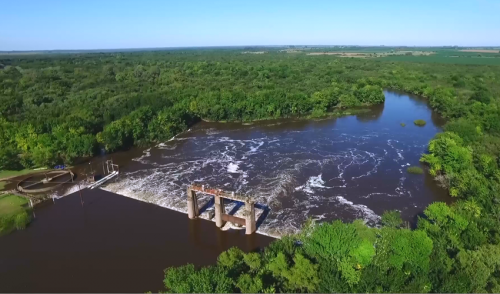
220, 216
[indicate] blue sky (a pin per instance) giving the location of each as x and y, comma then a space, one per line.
108, 24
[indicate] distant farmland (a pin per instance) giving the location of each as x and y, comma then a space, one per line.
421, 55
481, 51
446, 59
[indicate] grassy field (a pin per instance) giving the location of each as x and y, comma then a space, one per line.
11, 204
440, 58
421, 55
451, 57
5, 174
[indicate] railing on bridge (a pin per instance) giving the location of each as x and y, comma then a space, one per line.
113, 171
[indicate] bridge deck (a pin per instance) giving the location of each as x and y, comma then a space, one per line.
222, 193
233, 219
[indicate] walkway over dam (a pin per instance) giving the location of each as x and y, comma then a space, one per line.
220, 213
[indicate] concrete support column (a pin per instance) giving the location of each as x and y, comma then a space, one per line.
250, 218
192, 204
219, 210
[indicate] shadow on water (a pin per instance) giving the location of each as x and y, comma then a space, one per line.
262, 217
436, 119
374, 114
238, 205
210, 203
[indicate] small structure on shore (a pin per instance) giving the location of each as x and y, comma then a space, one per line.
220, 213
50, 180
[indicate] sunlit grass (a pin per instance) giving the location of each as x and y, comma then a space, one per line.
11, 204
14, 173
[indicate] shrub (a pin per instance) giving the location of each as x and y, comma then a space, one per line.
420, 122
415, 170
403, 124
6, 224
392, 219
21, 220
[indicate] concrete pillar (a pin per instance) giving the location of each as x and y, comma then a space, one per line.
192, 204
219, 210
250, 218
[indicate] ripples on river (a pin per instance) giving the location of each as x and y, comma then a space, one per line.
346, 168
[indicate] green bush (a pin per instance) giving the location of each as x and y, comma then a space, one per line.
420, 122
392, 219
21, 220
403, 124
6, 224
415, 170
10, 223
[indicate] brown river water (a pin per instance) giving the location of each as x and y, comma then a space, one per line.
344, 168
110, 244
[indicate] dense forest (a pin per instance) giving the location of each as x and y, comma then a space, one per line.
57, 108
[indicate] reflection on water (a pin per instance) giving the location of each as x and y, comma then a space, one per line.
374, 114
345, 168
110, 244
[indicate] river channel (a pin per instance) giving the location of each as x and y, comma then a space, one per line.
338, 168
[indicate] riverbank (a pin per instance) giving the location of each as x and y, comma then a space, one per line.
6, 175
111, 244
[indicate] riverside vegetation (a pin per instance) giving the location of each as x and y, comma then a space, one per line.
415, 170
13, 213
56, 108
420, 122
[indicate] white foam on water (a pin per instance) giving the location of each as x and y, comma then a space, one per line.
212, 131
146, 153
316, 182
312, 182
376, 162
174, 137
400, 190
233, 168
391, 142
275, 170
58, 193
380, 194
368, 215
255, 148
319, 217
165, 146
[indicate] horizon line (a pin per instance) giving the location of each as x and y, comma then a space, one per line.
239, 46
